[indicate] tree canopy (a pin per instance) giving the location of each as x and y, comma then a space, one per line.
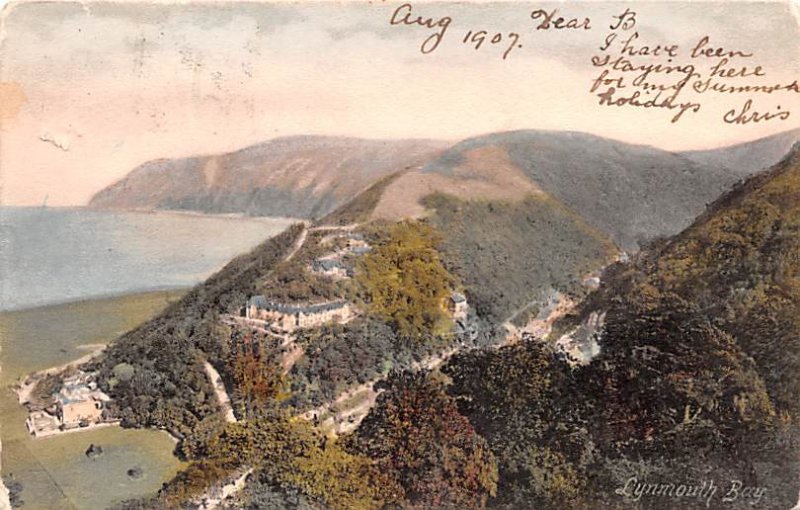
416, 435
403, 281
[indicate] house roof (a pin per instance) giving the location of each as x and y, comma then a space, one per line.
291, 308
257, 301
327, 264
458, 298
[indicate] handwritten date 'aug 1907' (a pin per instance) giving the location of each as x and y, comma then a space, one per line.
544, 20
616, 54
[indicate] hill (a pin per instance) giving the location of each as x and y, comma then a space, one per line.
696, 372
742, 159
301, 177
401, 286
697, 375
511, 255
632, 193
155, 373
738, 263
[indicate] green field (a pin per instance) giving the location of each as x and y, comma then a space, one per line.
54, 472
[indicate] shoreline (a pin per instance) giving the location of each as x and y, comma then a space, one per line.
28, 384
172, 212
98, 297
199, 214
125, 310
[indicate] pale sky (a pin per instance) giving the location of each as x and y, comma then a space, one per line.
89, 91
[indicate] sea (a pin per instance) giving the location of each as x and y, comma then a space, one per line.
55, 255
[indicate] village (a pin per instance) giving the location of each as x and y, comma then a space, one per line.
282, 321
71, 400
285, 318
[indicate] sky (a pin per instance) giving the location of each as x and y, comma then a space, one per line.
88, 91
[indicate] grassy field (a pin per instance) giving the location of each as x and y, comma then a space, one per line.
54, 472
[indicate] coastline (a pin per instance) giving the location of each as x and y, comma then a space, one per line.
198, 214
171, 212
34, 344
120, 251
169, 289
28, 384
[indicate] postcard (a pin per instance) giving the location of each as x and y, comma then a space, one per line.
400, 255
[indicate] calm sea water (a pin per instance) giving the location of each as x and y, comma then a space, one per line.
52, 255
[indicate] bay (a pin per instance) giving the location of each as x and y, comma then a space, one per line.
55, 255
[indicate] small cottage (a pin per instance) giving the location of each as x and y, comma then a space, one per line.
75, 412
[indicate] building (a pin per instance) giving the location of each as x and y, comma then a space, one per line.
458, 306
330, 267
288, 317
42, 424
77, 412
354, 240
80, 401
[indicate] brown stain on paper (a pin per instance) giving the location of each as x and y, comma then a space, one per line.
12, 97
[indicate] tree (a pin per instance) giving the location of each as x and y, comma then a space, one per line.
258, 381
417, 436
283, 452
404, 282
522, 399
663, 365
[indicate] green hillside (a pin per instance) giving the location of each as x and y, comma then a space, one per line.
696, 379
509, 253
154, 372
632, 193
738, 264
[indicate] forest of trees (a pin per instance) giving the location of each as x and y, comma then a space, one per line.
416, 436
290, 460
339, 356
699, 357
509, 253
